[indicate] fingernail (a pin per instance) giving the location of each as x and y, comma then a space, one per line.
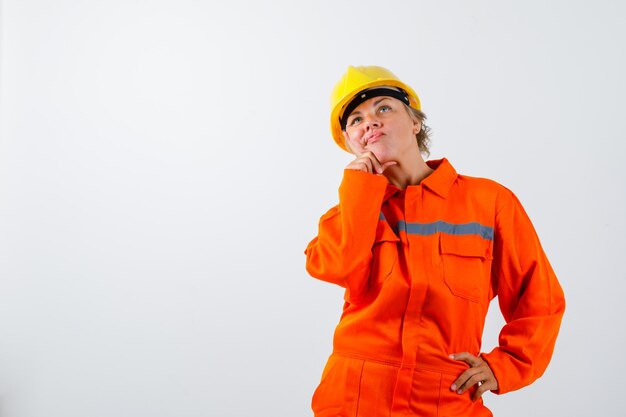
451, 356
453, 387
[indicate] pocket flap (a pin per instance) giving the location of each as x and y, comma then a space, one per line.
465, 245
384, 233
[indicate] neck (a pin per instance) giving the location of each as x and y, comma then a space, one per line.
407, 173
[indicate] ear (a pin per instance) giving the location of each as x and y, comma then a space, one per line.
417, 126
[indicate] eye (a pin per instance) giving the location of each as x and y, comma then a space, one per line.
355, 120
384, 108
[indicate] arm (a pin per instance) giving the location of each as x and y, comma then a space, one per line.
530, 298
342, 251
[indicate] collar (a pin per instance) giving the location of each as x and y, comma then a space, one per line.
441, 179
390, 191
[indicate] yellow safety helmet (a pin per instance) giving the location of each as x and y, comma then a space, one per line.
354, 83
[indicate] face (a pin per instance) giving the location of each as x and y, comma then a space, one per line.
383, 126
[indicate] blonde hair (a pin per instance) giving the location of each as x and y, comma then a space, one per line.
423, 136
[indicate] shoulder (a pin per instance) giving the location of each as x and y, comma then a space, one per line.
486, 189
445, 175
481, 184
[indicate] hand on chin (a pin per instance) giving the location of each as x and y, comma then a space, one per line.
379, 152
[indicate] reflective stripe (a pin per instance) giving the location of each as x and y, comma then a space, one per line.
425, 229
381, 216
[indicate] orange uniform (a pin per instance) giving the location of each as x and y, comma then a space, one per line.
420, 267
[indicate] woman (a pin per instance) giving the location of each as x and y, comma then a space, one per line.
421, 251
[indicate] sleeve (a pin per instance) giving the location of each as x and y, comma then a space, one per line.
342, 251
530, 298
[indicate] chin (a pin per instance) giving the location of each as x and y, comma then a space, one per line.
383, 155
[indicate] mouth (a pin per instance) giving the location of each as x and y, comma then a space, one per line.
372, 137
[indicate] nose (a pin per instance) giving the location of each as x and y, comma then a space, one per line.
372, 122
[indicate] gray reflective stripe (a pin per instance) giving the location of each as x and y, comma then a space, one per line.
425, 229
381, 216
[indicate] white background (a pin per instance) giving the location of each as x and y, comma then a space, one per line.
163, 164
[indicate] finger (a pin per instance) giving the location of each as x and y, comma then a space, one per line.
360, 164
466, 357
376, 165
365, 165
463, 378
388, 164
368, 164
490, 385
479, 392
475, 379
357, 166
461, 383
487, 385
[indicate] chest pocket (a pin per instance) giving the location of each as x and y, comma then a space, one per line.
384, 252
466, 261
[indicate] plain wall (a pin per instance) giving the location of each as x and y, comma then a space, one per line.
163, 165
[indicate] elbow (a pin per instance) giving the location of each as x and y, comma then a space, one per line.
334, 272
333, 265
